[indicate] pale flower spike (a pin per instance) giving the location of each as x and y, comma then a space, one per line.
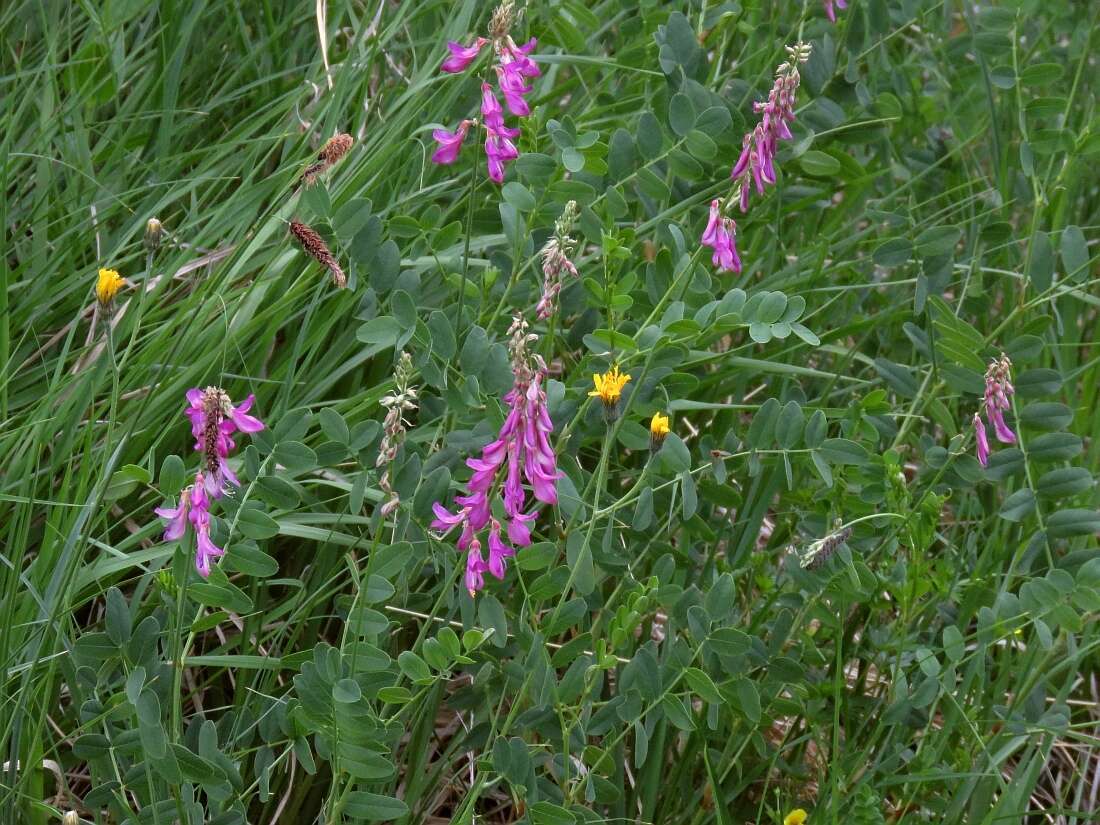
555, 262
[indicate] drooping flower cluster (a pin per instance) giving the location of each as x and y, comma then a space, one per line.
513, 68
756, 165
521, 452
555, 260
214, 421
998, 388
721, 236
393, 429
830, 12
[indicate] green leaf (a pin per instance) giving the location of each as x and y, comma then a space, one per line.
172, 474
519, 196
373, 807
893, 252
681, 114
547, 813
1040, 269
334, 426
256, 524
1064, 482
844, 451
702, 685
415, 668
938, 240
1073, 522
295, 456
1054, 447
1046, 415
819, 164
119, 622
1019, 505
382, 331
789, 424
1075, 253
346, 691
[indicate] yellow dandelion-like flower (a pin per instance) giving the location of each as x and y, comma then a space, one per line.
658, 427
795, 817
107, 285
609, 386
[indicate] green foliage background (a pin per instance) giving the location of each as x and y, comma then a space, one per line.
658, 655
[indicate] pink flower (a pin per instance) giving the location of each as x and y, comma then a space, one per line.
475, 568
720, 235
449, 143
245, 423
498, 551
982, 440
462, 56
177, 517
491, 112
829, 12
510, 81
206, 552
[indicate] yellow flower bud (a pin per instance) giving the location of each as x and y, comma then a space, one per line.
107, 285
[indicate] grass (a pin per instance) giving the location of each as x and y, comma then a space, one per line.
658, 654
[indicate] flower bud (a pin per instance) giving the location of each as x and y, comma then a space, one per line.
153, 233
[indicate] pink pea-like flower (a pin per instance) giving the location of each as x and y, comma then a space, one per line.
462, 56
721, 236
982, 440
449, 143
830, 12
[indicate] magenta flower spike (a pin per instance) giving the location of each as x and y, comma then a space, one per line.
214, 421
513, 67
995, 402
521, 453
462, 56
755, 166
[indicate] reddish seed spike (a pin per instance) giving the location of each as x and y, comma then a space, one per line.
334, 149
314, 246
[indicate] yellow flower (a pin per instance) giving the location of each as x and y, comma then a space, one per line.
795, 817
609, 386
658, 427
107, 285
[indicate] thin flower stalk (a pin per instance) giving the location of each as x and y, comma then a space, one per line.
521, 453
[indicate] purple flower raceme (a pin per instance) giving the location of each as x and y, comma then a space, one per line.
214, 422
756, 165
830, 12
513, 69
520, 453
721, 236
998, 388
